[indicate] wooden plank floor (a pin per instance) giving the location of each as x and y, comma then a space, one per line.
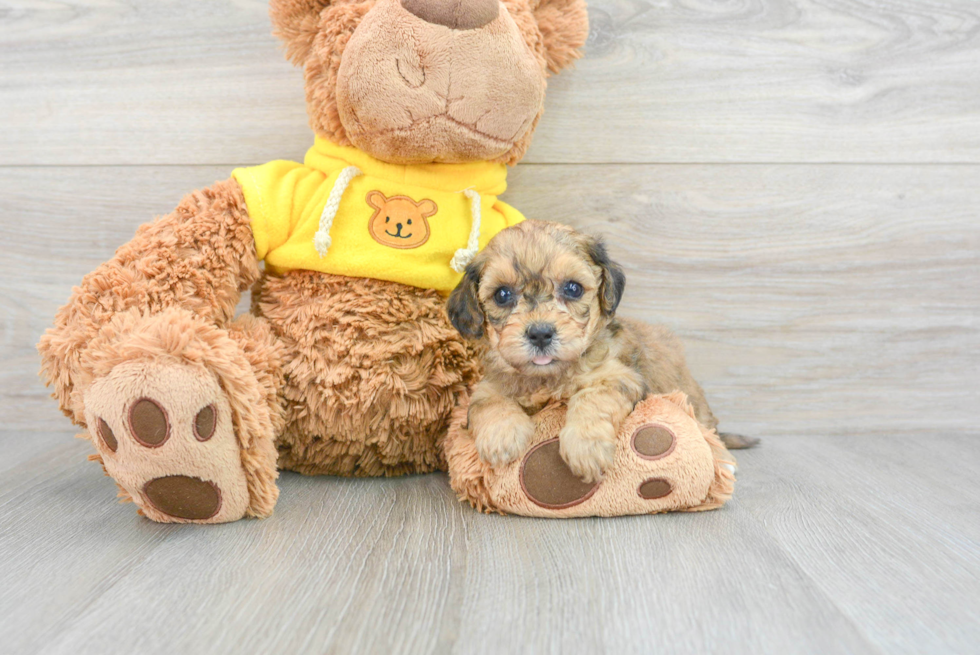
831, 545
792, 185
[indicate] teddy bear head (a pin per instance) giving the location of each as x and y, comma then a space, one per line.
420, 81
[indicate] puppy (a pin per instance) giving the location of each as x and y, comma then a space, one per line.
543, 298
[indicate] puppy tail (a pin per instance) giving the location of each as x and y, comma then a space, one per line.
734, 441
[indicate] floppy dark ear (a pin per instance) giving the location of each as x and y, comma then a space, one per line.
612, 282
564, 26
463, 306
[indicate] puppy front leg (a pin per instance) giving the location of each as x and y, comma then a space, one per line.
499, 425
588, 440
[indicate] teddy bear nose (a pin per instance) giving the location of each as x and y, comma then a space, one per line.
454, 14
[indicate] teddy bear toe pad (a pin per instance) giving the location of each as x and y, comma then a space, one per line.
652, 441
164, 433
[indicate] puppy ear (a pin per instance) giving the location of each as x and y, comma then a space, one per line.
463, 306
612, 282
564, 26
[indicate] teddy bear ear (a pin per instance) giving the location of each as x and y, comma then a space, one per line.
428, 208
296, 22
376, 199
564, 26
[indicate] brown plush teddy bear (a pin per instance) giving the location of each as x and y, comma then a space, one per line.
347, 363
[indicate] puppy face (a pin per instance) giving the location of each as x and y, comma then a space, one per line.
538, 293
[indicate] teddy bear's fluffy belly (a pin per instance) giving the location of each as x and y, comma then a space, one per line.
373, 370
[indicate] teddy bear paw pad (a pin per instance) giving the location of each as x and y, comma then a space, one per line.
653, 441
654, 488
183, 497
548, 482
164, 433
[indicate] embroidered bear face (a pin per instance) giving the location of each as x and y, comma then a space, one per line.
399, 221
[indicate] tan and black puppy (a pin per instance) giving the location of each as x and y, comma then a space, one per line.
543, 297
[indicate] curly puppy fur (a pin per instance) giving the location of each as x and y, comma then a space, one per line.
543, 298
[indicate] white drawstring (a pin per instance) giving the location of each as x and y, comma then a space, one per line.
321, 241
465, 255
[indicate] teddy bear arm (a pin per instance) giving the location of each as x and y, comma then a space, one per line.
200, 257
180, 400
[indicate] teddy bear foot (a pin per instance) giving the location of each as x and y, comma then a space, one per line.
164, 433
665, 461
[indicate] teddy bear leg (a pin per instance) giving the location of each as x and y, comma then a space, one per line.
665, 461
183, 415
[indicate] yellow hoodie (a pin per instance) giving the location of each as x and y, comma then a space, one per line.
344, 212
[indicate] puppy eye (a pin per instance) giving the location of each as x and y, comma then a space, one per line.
409, 221
503, 296
572, 290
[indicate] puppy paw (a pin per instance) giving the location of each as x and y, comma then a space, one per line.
588, 450
504, 439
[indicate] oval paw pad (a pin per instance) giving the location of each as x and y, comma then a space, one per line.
654, 488
653, 441
205, 423
548, 482
107, 436
183, 497
149, 424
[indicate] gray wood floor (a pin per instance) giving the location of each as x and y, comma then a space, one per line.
793, 185
832, 544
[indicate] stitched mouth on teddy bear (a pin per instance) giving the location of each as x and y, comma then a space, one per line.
360, 131
436, 138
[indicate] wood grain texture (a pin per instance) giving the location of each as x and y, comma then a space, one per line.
851, 531
812, 299
184, 82
826, 548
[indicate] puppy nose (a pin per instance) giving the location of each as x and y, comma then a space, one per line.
541, 334
455, 14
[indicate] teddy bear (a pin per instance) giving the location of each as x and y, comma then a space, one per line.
346, 363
